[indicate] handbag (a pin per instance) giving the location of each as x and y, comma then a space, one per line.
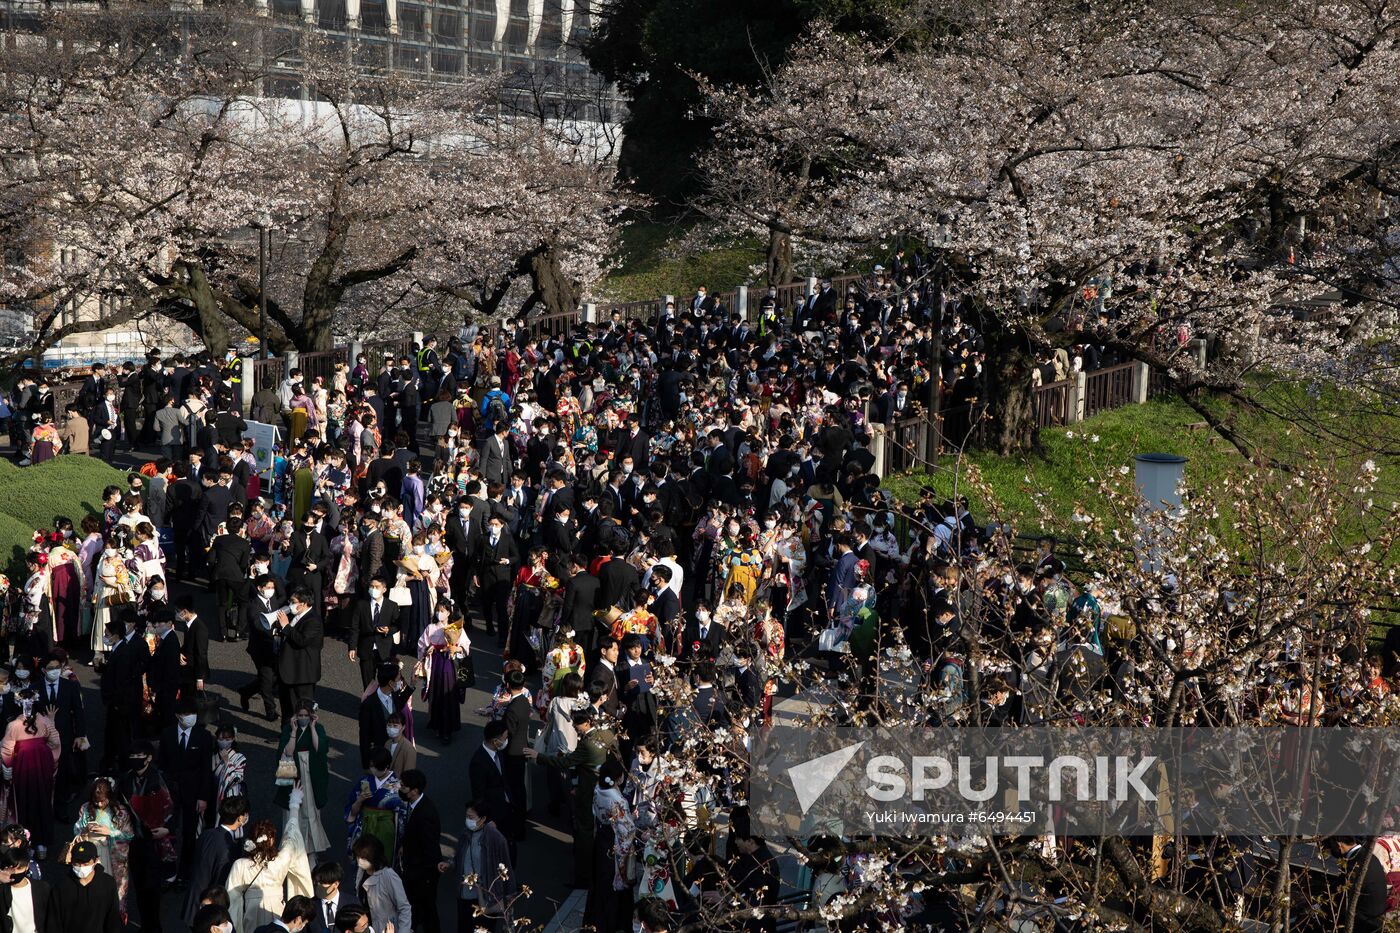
541, 743
465, 671
400, 595
116, 598
834, 639
286, 772
207, 705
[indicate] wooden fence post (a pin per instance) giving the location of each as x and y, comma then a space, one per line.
741, 302
1142, 376
289, 362
590, 313
356, 348
1074, 410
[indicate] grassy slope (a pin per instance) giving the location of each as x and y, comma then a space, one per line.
33, 496
1111, 440
651, 266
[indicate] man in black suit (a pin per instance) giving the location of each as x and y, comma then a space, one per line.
215, 851
186, 758
371, 551
500, 558
183, 505
461, 540
665, 604
299, 657
262, 646
214, 501
229, 560
195, 646
123, 667
331, 896
420, 851
105, 422
298, 914
487, 772
163, 673
635, 443
376, 709
580, 601
517, 717
1359, 866
602, 675
61, 699
618, 582
719, 460
374, 623
702, 639
560, 537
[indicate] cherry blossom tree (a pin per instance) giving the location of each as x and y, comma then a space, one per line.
1117, 178
148, 155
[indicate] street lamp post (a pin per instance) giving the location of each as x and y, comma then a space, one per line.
264, 245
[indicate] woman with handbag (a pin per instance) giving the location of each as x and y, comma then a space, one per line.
260, 882
559, 736
442, 649
304, 744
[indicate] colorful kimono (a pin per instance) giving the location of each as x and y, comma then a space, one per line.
65, 594
381, 816
441, 648
114, 846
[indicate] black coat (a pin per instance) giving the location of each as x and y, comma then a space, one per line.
69, 718
190, 771
163, 673
42, 896
214, 854
618, 582
373, 720
299, 661
230, 558
488, 782
580, 601
605, 680
122, 670
213, 509
420, 849
195, 650
262, 646
490, 569
91, 908
364, 639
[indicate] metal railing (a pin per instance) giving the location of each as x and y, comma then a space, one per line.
322, 363
397, 347
268, 373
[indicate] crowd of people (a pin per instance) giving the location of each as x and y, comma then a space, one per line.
646, 519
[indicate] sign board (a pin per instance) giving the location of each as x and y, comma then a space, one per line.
265, 437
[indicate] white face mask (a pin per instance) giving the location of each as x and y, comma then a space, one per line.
226, 927
82, 871
269, 593
53, 675
363, 863
393, 731
189, 720
473, 825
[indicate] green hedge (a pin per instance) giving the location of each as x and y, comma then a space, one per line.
31, 497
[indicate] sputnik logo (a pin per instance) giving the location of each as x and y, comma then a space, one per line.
811, 778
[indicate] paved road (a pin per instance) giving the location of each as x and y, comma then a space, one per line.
545, 857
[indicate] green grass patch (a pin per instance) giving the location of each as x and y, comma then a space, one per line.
1062, 477
652, 263
31, 497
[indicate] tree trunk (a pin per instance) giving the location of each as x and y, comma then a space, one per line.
1012, 419
779, 256
211, 327
557, 291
